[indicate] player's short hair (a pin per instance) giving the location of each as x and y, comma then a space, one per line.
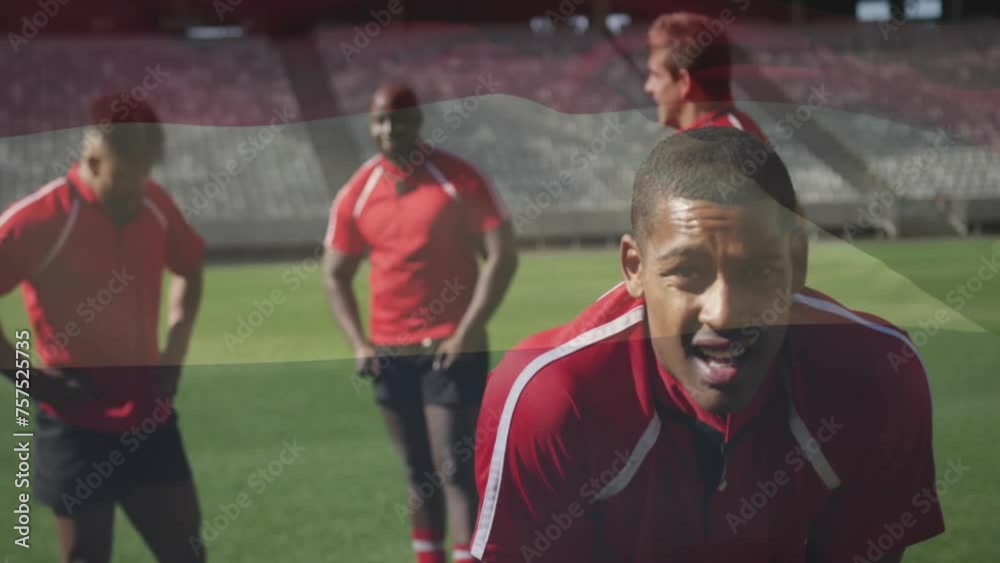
698, 44
718, 164
131, 129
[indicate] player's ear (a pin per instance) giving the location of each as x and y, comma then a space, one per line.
631, 265
89, 148
684, 77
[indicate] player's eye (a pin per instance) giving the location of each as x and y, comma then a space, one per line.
760, 272
686, 276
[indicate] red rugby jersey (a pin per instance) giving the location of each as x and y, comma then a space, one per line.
587, 451
92, 290
423, 244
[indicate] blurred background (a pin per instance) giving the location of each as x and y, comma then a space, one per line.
886, 114
894, 76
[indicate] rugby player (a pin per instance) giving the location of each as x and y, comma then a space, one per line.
669, 422
425, 217
89, 250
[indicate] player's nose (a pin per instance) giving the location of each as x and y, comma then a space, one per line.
716, 306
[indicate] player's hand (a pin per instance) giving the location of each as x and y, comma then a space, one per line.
450, 349
364, 361
168, 378
59, 387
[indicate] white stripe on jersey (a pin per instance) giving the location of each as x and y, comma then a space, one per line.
493, 482
24, 202
446, 184
148, 203
63, 237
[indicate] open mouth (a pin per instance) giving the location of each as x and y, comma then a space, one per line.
720, 365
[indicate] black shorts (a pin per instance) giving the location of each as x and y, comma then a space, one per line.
75, 467
412, 379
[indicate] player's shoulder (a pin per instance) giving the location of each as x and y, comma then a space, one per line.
569, 369
156, 195
845, 337
350, 193
448, 161
356, 183
856, 364
455, 169
50, 204
862, 377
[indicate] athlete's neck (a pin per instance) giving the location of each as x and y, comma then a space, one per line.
693, 112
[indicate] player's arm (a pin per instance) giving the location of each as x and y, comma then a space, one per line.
494, 279
182, 308
185, 258
345, 248
8, 355
339, 269
24, 242
887, 500
485, 215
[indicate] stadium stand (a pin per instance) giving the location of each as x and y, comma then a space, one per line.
551, 96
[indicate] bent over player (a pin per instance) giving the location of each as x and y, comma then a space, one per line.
424, 216
89, 251
703, 410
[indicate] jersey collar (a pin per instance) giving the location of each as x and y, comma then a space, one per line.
707, 118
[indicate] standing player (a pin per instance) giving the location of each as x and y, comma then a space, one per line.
89, 251
668, 423
689, 81
425, 216
691, 86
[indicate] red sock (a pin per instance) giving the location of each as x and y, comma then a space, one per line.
461, 553
428, 546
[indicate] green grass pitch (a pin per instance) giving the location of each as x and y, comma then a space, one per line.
335, 502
